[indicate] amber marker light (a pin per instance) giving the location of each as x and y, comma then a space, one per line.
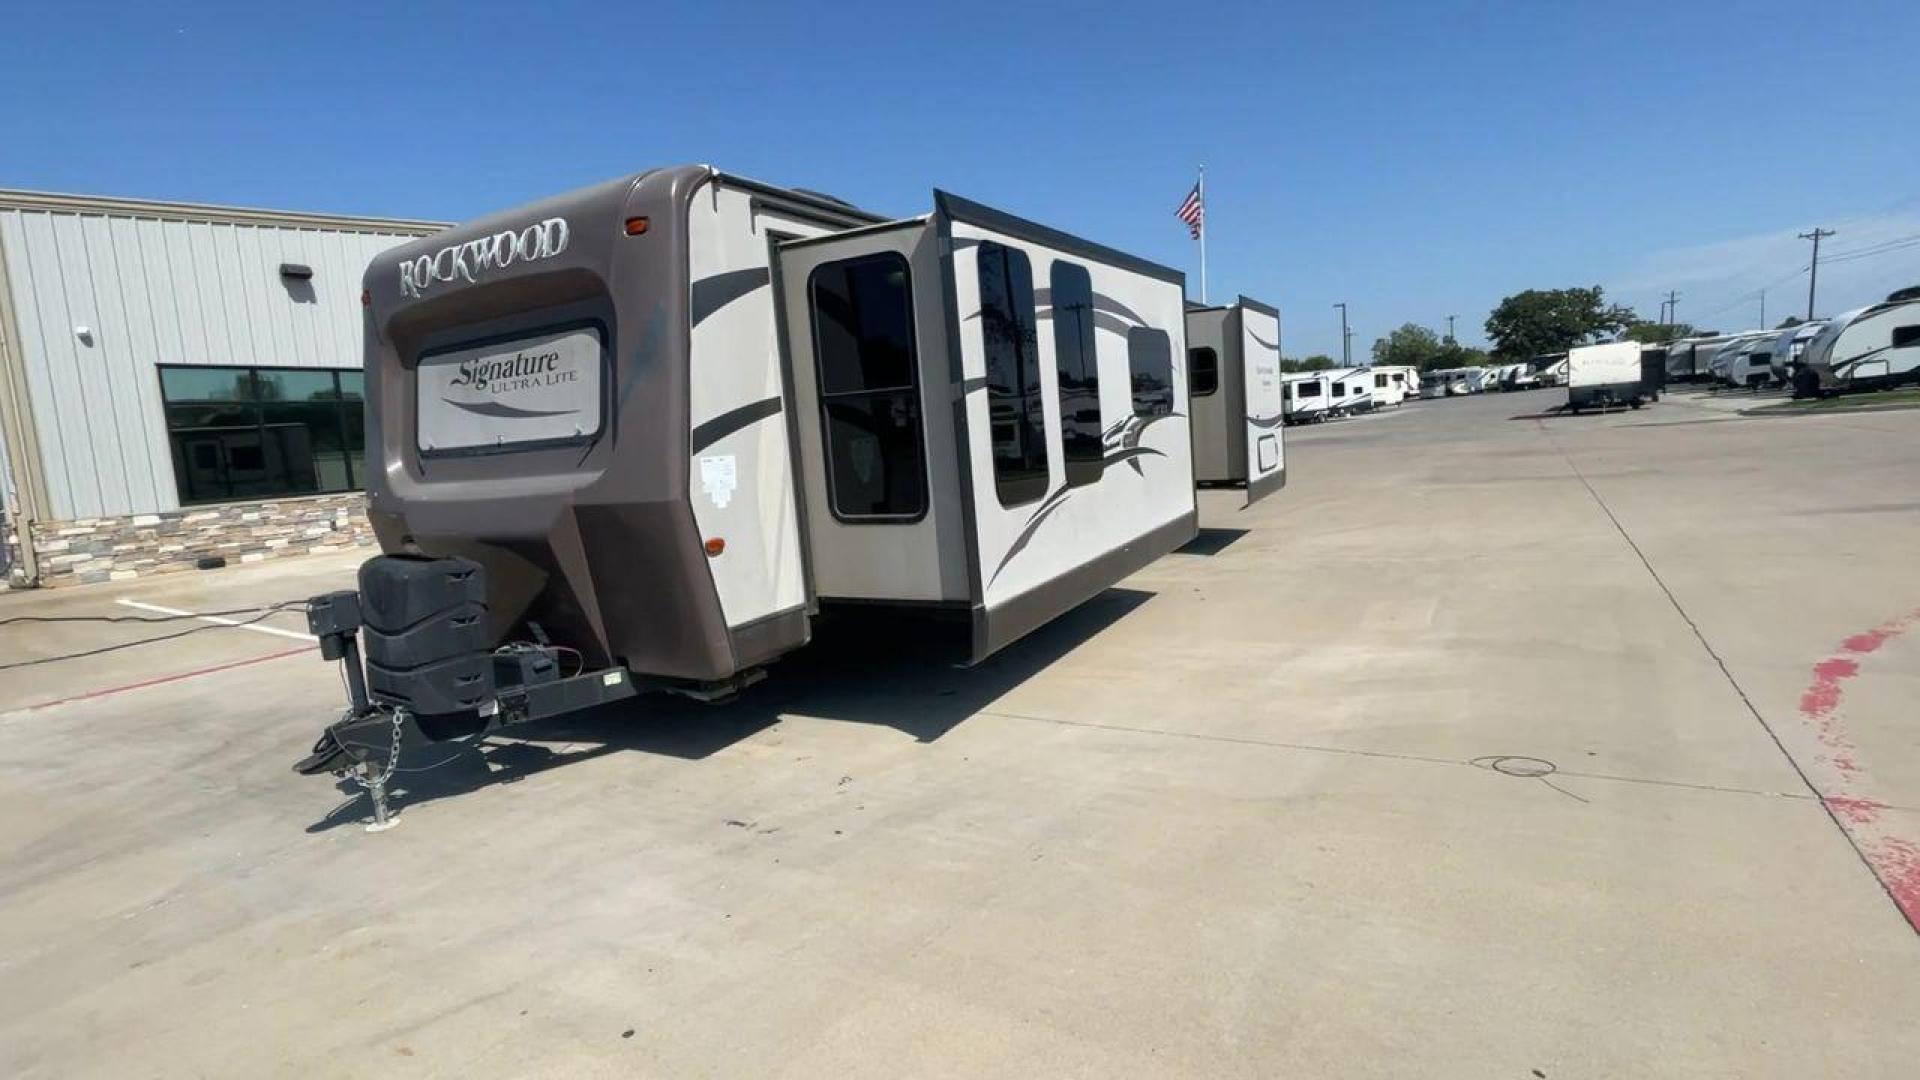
636, 226
715, 546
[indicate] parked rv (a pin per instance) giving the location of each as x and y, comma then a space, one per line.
1551, 369
1391, 385
1309, 397
1352, 391
1653, 371
1749, 365
1872, 348
592, 462
1788, 347
1599, 376
1233, 372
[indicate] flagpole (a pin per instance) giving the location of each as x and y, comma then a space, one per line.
1203, 234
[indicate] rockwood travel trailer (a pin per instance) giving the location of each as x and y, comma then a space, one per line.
643, 431
1235, 396
1872, 348
1352, 391
1308, 394
1603, 375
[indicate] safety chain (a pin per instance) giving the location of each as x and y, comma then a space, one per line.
393, 757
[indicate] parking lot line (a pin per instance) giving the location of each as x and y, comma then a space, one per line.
217, 620
178, 676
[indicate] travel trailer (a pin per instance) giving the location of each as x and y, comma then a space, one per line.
1748, 365
1352, 391
1788, 346
1309, 396
1392, 385
1550, 369
1604, 375
1872, 348
1653, 371
1235, 396
642, 433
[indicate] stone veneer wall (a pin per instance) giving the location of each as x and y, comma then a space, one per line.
122, 548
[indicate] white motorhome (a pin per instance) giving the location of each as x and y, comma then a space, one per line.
1604, 375
1309, 396
1236, 398
1748, 365
1352, 391
1871, 348
656, 425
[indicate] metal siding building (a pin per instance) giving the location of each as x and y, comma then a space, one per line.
96, 294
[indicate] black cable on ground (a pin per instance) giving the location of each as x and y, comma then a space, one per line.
142, 641
282, 605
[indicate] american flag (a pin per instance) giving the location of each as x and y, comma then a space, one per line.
1194, 212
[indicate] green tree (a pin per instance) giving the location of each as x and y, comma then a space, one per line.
1452, 354
1538, 321
1412, 345
1316, 362
1653, 333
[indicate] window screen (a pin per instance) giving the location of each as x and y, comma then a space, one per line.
1018, 415
1150, 362
259, 433
1077, 370
862, 312
1203, 369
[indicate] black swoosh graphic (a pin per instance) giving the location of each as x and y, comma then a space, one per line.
1266, 423
506, 412
710, 294
712, 431
1055, 502
1103, 302
1263, 341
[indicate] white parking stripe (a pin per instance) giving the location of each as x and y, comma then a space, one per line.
218, 620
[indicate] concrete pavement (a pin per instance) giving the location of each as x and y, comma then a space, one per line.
1495, 745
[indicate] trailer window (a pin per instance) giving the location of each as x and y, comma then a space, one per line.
1017, 413
1203, 371
862, 312
1906, 337
1150, 363
1307, 389
1077, 370
1379, 382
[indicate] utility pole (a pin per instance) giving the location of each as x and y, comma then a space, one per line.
1763, 309
1346, 337
1449, 329
1672, 307
1813, 278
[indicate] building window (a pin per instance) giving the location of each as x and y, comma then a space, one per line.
1906, 337
256, 433
1077, 371
1150, 362
862, 313
1203, 369
1017, 413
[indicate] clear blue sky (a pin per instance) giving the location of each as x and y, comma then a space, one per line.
1414, 160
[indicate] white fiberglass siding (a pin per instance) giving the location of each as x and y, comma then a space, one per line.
154, 291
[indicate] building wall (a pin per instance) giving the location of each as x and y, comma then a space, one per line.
166, 285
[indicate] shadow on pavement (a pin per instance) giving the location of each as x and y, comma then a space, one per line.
863, 667
1211, 542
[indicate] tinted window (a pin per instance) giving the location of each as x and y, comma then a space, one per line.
1906, 337
1307, 389
1077, 371
1339, 389
1018, 415
869, 395
1379, 382
1150, 363
1203, 371
258, 433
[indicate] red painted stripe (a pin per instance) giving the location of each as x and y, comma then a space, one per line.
177, 677
1894, 859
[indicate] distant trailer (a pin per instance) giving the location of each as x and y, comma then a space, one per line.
1352, 391
1873, 348
1788, 347
1308, 397
1391, 385
1236, 397
1750, 366
1653, 371
1600, 376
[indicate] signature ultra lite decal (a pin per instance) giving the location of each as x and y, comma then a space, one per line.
466, 261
